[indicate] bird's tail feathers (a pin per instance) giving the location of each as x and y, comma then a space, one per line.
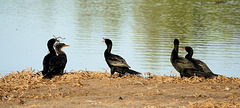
130, 71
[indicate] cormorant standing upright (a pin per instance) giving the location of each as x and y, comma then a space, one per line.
116, 62
47, 58
57, 63
200, 65
185, 67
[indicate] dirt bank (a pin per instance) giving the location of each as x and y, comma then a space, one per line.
95, 89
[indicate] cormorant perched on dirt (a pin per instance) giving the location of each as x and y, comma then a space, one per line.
185, 67
116, 62
47, 58
200, 65
57, 63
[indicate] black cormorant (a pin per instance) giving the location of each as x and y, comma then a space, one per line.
185, 67
47, 58
57, 63
116, 62
200, 65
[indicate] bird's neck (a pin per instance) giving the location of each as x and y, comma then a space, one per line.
60, 52
189, 55
175, 52
51, 49
108, 50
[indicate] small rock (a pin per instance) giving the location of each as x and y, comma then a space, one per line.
227, 89
120, 98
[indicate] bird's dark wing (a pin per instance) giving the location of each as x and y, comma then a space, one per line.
188, 69
184, 63
116, 60
201, 65
57, 63
46, 60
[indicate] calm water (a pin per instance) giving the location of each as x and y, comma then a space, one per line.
142, 32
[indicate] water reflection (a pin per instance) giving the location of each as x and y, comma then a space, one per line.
142, 32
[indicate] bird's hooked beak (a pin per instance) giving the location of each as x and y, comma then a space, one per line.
184, 48
66, 45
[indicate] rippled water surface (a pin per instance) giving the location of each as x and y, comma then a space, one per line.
142, 32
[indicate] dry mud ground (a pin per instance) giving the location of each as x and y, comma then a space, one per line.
94, 89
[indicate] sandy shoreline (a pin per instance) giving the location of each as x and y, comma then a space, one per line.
96, 89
